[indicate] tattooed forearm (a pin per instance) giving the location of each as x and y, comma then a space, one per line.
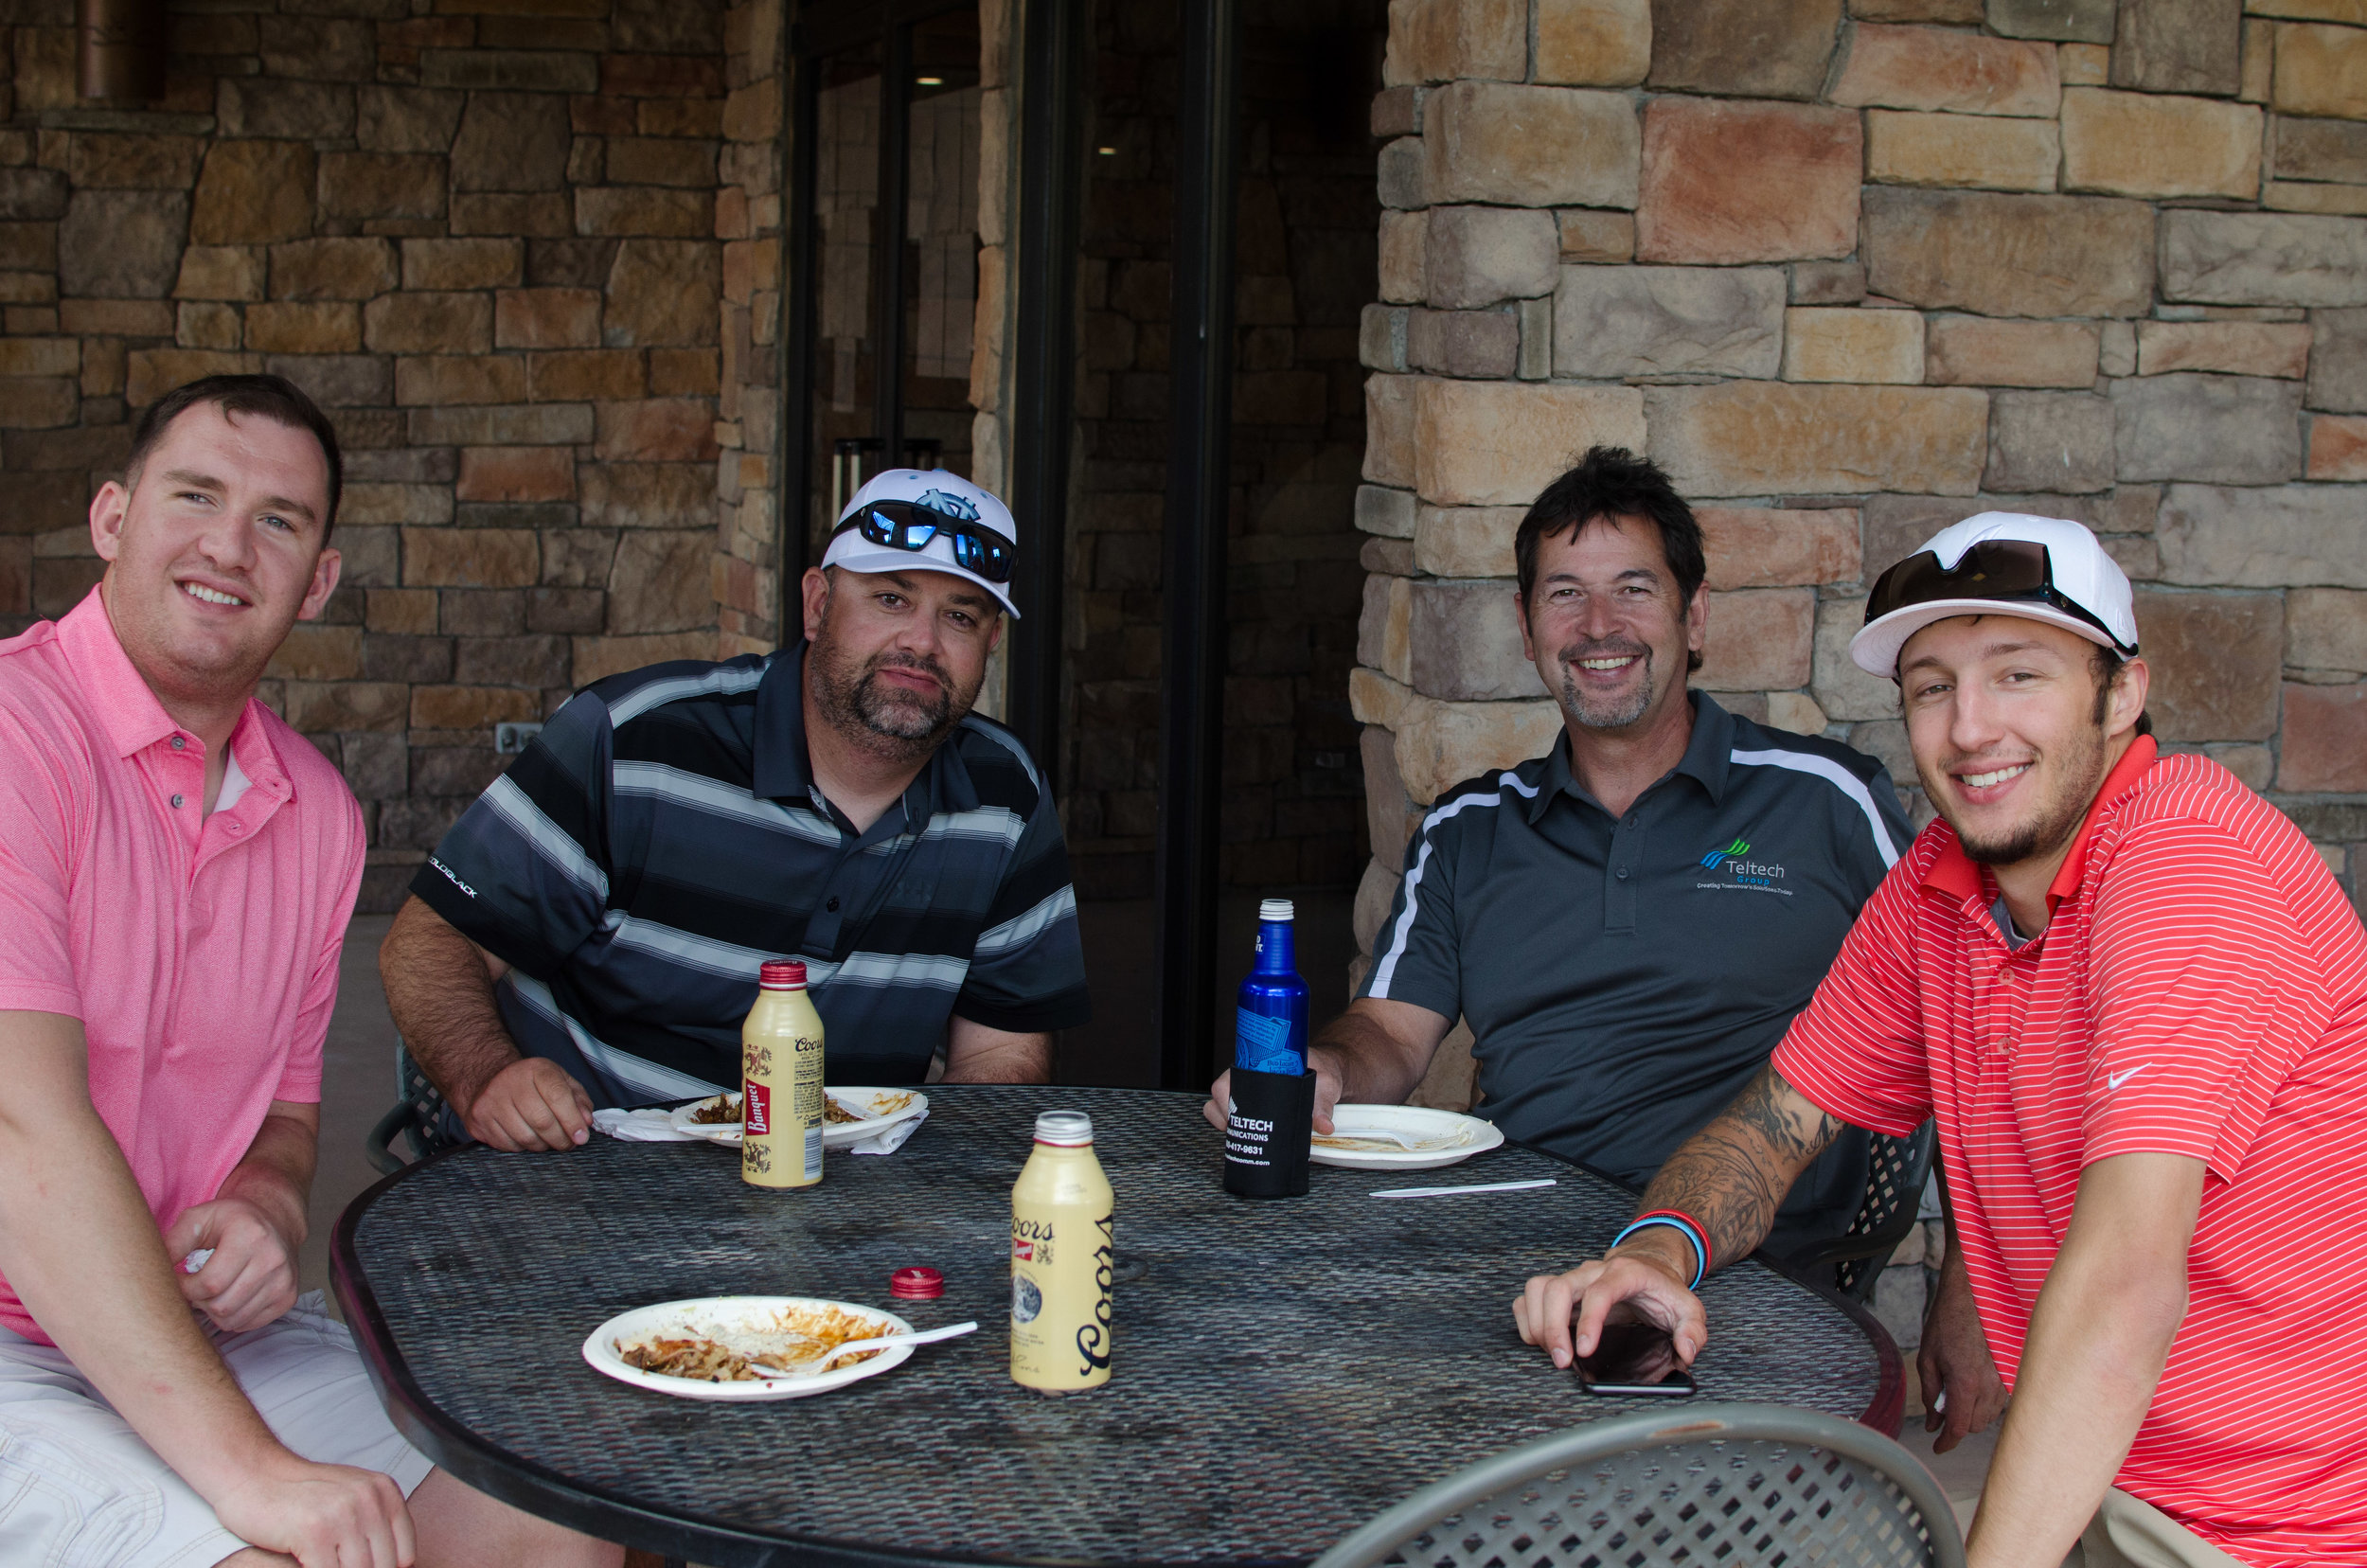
1783, 1115
1733, 1174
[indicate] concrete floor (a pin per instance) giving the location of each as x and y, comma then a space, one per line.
1962, 1472
357, 1086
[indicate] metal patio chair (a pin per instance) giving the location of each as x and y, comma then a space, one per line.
1725, 1485
416, 1118
1896, 1170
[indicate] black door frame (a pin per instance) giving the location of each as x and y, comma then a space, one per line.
1043, 405
1200, 460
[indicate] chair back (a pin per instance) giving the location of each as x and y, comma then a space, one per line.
416, 1118
1896, 1170
1728, 1485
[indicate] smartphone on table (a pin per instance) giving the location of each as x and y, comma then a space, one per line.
1635, 1359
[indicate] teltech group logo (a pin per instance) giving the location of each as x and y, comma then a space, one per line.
1710, 861
1734, 860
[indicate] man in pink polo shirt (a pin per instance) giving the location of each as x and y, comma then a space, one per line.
176, 870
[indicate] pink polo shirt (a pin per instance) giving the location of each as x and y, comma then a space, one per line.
199, 951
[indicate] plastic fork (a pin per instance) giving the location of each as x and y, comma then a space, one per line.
1381, 1135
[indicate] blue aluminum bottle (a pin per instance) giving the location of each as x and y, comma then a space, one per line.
1270, 1032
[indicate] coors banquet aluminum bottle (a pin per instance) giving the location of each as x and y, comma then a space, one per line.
780, 1081
1063, 1234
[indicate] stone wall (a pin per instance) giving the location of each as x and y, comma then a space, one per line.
523, 251
1851, 277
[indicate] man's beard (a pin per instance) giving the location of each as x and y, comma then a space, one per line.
2052, 825
1609, 712
184, 669
892, 722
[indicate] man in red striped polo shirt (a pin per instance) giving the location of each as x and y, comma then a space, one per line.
2137, 1003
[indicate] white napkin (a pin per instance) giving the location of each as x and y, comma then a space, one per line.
652, 1126
889, 1140
649, 1126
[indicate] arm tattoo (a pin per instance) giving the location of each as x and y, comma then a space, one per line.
1732, 1175
1781, 1115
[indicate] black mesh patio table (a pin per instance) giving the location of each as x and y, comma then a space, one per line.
1283, 1369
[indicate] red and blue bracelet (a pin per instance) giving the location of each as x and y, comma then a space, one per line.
1676, 1222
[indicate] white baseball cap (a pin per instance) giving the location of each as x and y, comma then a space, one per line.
932, 490
2081, 589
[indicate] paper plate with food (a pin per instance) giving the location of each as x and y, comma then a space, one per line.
848, 1115
744, 1347
1402, 1137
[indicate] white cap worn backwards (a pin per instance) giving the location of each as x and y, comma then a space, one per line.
2077, 569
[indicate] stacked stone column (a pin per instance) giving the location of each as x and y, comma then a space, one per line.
1849, 276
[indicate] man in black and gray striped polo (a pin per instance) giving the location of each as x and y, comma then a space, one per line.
588, 933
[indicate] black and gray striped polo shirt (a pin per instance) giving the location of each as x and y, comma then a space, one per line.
664, 836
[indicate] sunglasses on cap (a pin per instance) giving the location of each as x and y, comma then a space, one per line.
905, 526
2011, 571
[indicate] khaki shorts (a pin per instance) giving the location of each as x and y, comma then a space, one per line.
79, 1489
2130, 1532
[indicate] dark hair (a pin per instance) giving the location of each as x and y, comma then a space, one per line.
1610, 483
273, 398
2106, 666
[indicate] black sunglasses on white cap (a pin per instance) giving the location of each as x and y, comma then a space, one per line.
928, 519
2000, 564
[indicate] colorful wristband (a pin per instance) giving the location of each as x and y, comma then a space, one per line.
1682, 1223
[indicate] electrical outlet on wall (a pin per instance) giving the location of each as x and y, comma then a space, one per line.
509, 739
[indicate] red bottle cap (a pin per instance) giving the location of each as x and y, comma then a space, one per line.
782, 974
915, 1284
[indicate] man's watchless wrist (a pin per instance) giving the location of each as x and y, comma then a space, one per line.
277, 1199
470, 1084
1665, 1250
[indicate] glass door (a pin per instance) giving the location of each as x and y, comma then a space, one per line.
885, 236
845, 197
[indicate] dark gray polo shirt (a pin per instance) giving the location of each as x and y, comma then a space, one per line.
1624, 978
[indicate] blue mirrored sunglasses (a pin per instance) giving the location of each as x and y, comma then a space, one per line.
903, 525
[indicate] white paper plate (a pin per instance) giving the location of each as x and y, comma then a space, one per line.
900, 1105
727, 1318
1443, 1137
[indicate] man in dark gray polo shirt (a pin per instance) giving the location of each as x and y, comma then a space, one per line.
588, 933
1629, 923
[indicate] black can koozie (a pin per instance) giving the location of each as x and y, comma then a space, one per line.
1268, 1126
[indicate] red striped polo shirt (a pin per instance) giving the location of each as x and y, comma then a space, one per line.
2200, 989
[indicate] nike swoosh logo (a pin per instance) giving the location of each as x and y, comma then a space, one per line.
2115, 1080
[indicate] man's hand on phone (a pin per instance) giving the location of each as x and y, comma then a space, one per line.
1633, 1358
1564, 1315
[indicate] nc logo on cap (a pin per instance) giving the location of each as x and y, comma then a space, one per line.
952, 505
